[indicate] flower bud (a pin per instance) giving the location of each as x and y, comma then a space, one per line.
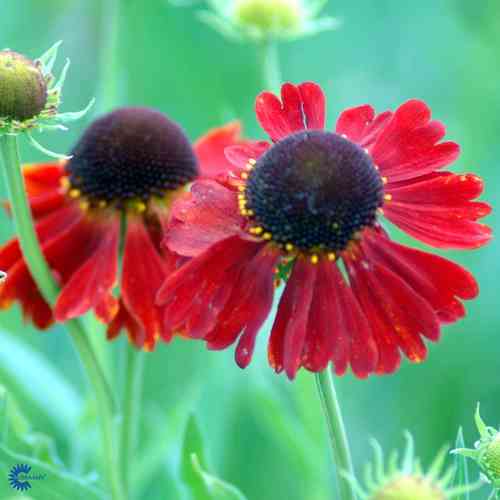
486, 451
23, 89
269, 16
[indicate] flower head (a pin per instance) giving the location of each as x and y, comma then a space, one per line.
407, 480
122, 177
307, 208
30, 96
260, 20
486, 451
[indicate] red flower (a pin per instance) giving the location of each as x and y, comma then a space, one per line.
123, 175
307, 207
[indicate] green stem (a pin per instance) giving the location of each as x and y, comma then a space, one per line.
133, 369
111, 71
269, 59
9, 157
338, 436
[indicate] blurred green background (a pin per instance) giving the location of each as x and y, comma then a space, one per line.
263, 433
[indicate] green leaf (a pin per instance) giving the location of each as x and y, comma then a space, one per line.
201, 484
218, 489
461, 470
40, 382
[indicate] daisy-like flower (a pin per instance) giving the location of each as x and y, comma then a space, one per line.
111, 198
308, 207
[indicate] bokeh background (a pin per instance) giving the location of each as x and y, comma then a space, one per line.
263, 433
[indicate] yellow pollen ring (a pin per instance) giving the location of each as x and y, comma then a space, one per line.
314, 259
256, 230
387, 197
74, 193
244, 175
252, 161
385, 180
288, 247
84, 205
241, 188
267, 236
331, 256
102, 204
64, 181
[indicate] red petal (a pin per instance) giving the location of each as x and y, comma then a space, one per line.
67, 238
300, 107
352, 336
397, 313
239, 155
441, 228
290, 325
439, 281
354, 121
42, 177
207, 215
313, 104
91, 285
123, 319
143, 273
209, 149
407, 147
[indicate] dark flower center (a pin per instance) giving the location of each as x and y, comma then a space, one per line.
314, 190
131, 154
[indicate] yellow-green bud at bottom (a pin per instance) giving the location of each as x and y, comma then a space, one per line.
269, 15
491, 460
409, 488
23, 90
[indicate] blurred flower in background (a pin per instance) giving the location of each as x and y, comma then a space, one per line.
405, 479
306, 208
262, 20
124, 172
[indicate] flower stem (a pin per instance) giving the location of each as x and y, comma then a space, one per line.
269, 59
9, 157
338, 436
133, 369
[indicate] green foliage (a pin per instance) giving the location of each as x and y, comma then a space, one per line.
461, 468
201, 484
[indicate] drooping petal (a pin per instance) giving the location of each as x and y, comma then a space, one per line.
300, 107
441, 282
439, 227
123, 320
201, 282
143, 273
210, 148
352, 337
91, 285
209, 213
290, 325
68, 238
398, 314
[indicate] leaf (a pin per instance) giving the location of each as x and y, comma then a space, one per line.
218, 489
72, 116
201, 484
461, 469
40, 382
49, 58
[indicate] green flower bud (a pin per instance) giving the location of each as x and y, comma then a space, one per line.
486, 451
491, 460
23, 89
269, 15
410, 488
